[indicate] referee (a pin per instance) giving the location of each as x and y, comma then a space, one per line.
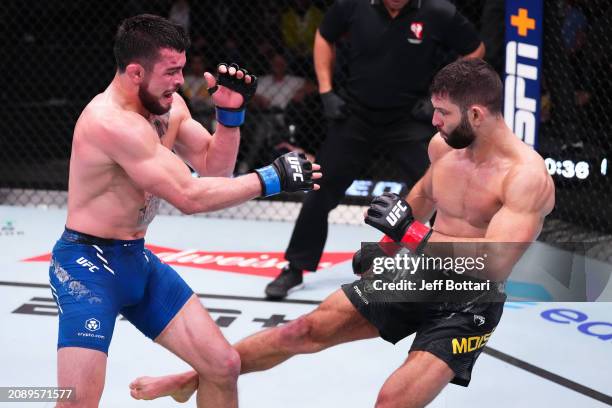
393, 50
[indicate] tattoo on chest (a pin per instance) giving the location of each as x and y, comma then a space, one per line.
150, 209
160, 123
152, 203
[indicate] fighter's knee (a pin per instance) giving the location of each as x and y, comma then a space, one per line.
224, 369
297, 330
231, 364
300, 335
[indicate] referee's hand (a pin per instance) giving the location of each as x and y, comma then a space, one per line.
334, 107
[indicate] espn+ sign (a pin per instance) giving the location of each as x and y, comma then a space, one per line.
523, 68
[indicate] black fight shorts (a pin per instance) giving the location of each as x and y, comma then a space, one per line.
456, 333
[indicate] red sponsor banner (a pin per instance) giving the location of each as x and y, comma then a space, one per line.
250, 263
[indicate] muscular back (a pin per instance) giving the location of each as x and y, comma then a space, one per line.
102, 199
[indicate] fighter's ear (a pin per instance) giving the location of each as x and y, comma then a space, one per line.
135, 72
476, 114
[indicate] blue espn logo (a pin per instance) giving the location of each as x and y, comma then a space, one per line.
523, 67
601, 330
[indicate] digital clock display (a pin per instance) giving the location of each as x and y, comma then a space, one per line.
580, 169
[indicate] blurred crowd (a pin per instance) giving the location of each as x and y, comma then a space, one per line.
59, 54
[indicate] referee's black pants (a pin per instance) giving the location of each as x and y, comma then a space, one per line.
345, 152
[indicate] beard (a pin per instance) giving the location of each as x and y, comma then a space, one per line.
462, 136
150, 102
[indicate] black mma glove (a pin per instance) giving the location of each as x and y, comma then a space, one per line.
364, 257
334, 107
423, 110
290, 172
392, 215
233, 117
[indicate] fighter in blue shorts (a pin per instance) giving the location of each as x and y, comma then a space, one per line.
129, 150
95, 279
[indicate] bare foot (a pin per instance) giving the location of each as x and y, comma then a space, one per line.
179, 386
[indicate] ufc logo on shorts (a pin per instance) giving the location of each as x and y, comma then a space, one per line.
297, 169
87, 264
395, 213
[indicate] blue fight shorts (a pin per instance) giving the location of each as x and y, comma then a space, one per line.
94, 279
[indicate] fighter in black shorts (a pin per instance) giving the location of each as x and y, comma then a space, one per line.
488, 188
452, 324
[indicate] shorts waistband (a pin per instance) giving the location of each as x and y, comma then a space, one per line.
81, 238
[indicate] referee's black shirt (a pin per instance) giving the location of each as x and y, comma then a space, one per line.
392, 60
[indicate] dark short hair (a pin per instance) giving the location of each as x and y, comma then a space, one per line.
140, 38
469, 81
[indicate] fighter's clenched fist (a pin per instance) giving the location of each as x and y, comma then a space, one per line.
290, 172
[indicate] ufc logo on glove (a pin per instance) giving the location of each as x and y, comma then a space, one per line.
297, 169
290, 172
395, 213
